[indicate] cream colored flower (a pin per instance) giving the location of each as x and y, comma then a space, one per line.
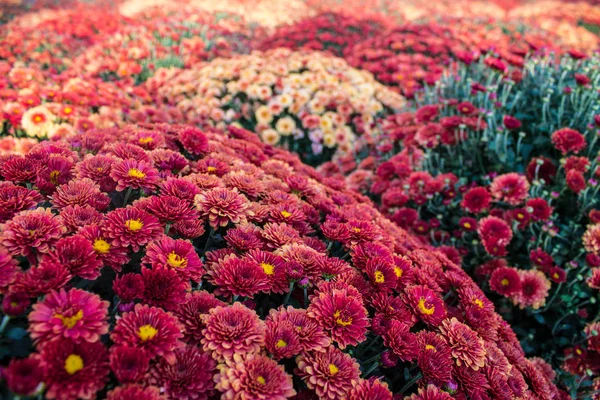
263, 115
270, 136
37, 121
285, 126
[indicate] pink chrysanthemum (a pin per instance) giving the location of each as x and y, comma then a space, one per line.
77, 217
371, 389
180, 188
135, 391
430, 393
331, 374
401, 341
238, 277
163, 288
281, 339
534, 289
189, 229
128, 287
232, 330
78, 255
434, 358
8, 269
170, 209
191, 311
253, 377
222, 206
495, 234
244, 238
466, 346
106, 251
591, 239
98, 168
567, 140
76, 315
39, 280
188, 377
74, 371
274, 267
341, 314
24, 377
310, 334
31, 232
134, 174
149, 328
425, 304
83, 192
505, 281
129, 364
131, 227
178, 255
14, 199
511, 188
475, 200
194, 141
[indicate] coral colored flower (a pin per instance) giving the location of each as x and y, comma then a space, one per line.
593, 280
591, 239
75, 314
341, 313
253, 377
176, 254
222, 206
191, 311
24, 376
148, 328
534, 289
74, 371
31, 232
135, 391
495, 234
475, 200
129, 364
511, 188
505, 281
232, 330
425, 304
134, 174
567, 140
371, 389
131, 226
466, 346
331, 374
188, 377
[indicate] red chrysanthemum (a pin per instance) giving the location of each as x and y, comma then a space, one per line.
176, 254
495, 235
83, 192
505, 281
466, 346
281, 339
511, 188
149, 328
431, 392
475, 200
134, 174
238, 277
188, 377
75, 314
77, 217
78, 255
310, 334
170, 209
74, 371
128, 363
194, 141
14, 199
131, 226
110, 254
8, 269
371, 389
135, 391
232, 330
401, 341
222, 206
341, 313
575, 180
31, 232
425, 304
98, 168
244, 238
24, 377
163, 288
190, 313
567, 140
534, 289
330, 373
434, 358
540, 209
128, 287
273, 266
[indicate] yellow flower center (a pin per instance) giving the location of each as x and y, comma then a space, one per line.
341, 321
176, 261
520, 216
268, 268
555, 275
73, 363
423, 307
54, 177
147, 332
398, 272
355, 229
211, 169
261, 380
70, 322
333, 369
281, 343
504, 282
134, 225
286, 214
136, 173
467, 225
67, 110
146, 140
101, 246
578, 351
478, 303
379, 278
38, 118
430, 347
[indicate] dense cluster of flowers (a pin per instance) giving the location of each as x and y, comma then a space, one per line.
501, 171
308, 102
162, 261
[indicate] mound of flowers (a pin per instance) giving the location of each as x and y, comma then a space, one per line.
310, 103
503, 175
163, 262
331, 32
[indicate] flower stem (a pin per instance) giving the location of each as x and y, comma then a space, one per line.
289, 294
370, 370
127, 195
167, 228
411, 382
4, 323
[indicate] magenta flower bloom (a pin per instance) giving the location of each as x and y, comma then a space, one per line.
131, 226
163, 288
31, 232
238, 277
78, 255
24, 376
75, 314
134, 174
310, 334
170, 209
372, 389
191, 311
425, 304
176, 254
128, 363
84, 192
135, 391
14, 199
222, 206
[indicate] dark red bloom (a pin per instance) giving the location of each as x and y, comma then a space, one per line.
476, 200
511, 122
568, 140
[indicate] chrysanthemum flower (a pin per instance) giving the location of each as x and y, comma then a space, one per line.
129, 364
495, 234
37, 121
232, 330
567, 140
188, 377
110, 255
505, 281
341, 314
31, 232
134, 174
281, 339
466, 346
310, 334
194, 141
511, 188
244, 238
8, 269
591, 239
98, 168
78, 255
180, 188
189, 229
131, 226
83, 192
76, 217
278, 235
534, 289
222, 206
14, 199
163, 288
593, 280
434, 358
149, 328
76, 315
176, 254
425, 304
254, 377
431, 392
400, 340
331, 374
476, 199
238, 277
41, 279
19, 169
24, 376
135, 391
74, 371
371, 389
273, 266
170, 209
191, 311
